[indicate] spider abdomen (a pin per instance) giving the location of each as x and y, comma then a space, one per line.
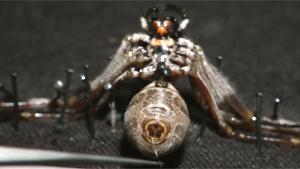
157, 120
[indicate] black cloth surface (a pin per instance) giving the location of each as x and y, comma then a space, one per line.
258, 41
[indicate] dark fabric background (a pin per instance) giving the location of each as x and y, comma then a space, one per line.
258, 40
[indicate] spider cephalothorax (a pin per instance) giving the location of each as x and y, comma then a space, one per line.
163, 24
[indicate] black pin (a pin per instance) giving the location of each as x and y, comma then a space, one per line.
86, 68
108, 86
69, 73
259, 103
277, 101
61, 120
89, 116
58, 86
15, 97
219, 61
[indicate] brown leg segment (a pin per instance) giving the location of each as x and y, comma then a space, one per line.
233, 118
234, 128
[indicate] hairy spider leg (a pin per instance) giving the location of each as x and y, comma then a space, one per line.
222, 102
215, 94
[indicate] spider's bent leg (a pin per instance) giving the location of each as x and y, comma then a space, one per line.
93, 106
292, 130
221, 89
214, 92
207, 101
228, 99
126, 56
119, 69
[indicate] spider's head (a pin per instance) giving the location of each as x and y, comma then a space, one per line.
164, 24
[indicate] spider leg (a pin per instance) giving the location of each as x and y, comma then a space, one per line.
215, 94
91, 100
226, 126
119, 69
265, 128
125, 57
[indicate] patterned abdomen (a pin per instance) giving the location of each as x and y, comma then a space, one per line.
157, 120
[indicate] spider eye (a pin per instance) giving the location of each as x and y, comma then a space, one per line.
159, 28
166, 27
155, 24
168, 24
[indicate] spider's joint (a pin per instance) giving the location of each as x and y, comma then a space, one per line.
133, 73
186, 69
185, 42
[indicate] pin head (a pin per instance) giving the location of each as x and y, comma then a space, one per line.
14, 74
82, 77
86, 67
70, 71
107, 86
58, 84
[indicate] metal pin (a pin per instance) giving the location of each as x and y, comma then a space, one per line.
16, 115
85, 77
219, 61
69, 73
108, 86
259, 103
58, 86
277, 101
60, 121
86, 68
89, 117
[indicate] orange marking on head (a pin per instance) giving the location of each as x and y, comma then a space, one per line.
162, 30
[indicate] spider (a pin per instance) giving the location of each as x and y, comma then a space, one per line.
157, 118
